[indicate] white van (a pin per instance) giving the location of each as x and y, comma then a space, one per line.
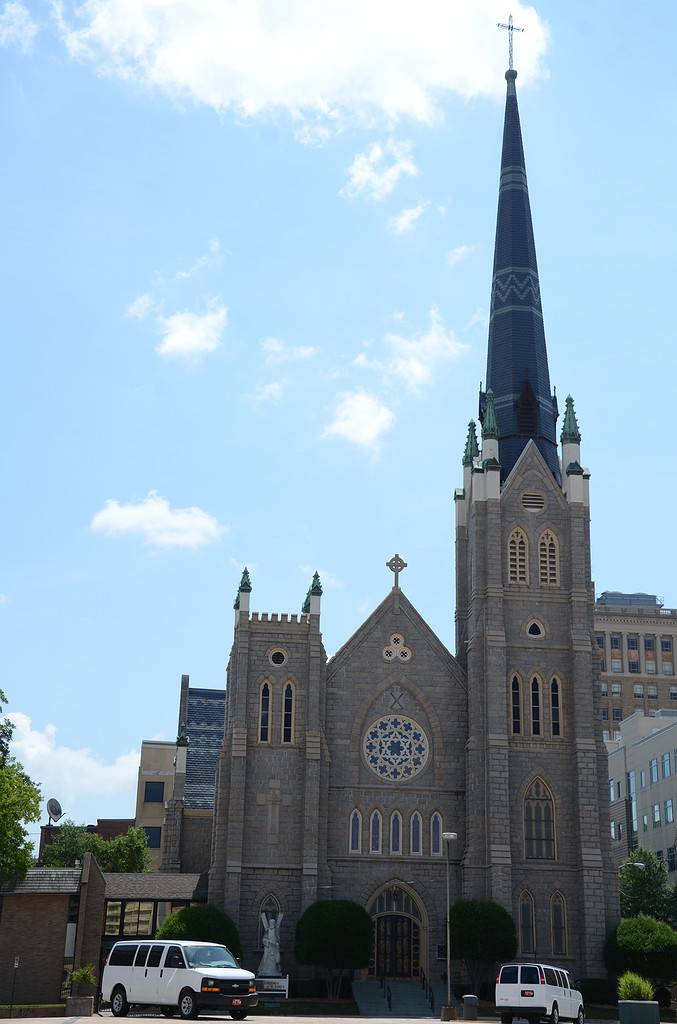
536, 991
179, 976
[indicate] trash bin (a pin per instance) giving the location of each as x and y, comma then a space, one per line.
469, 1007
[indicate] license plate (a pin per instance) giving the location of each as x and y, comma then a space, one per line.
527, 992
236, 1002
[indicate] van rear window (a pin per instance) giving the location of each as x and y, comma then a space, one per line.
529, 975
123, 956
509, 976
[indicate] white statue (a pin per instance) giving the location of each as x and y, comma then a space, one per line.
270, 961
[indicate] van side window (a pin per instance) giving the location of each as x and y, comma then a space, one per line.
155, 956
560, 979
140, 960
509, 976
529, 975
123, 956
567, 980
174, 957
551, 977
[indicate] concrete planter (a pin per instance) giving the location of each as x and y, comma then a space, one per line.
79, 1006
636, 1011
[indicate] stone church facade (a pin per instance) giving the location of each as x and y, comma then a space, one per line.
339, 778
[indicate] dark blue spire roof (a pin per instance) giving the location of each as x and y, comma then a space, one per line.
517, 361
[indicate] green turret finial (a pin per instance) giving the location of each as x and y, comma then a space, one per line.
245, 582
570, 432
305, 607
236, 602
316, 586
489, 423
472, 449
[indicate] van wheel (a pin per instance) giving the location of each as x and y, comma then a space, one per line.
554, 1016
118, 1003
187, 1005
238, 1014
580, 1019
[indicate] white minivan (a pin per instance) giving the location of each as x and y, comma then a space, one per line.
537, 991
178, 976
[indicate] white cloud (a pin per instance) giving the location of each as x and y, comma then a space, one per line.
480, 316
212, 257
405, 220
190, 334
278, 352
372, 175
414, 359
4, 599
17, 27
70, 772
271, 392
328, 579
159, 524
455, 256
361, 418
316, 61
140, 307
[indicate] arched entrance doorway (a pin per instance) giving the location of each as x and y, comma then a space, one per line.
399, 932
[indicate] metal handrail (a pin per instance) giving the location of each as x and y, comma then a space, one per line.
389, 997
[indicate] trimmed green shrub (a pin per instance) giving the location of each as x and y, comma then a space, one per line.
202, 923
645, 946
482, 936
633, 986
336, 935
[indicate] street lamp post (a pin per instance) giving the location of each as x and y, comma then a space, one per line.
448, 838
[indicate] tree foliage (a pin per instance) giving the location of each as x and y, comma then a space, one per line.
336, 935
644, 946
123, 853
202, 923
19, 805
645, 890
482, 936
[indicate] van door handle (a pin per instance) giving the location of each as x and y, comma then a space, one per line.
146, 974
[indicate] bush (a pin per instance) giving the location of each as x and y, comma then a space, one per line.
337, 935
633, 986
597, 991
203, 923
84, 975
645, 946
482, 935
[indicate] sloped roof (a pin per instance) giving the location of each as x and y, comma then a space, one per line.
44, 880
152, 885
205, 714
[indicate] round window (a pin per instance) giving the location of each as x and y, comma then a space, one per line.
278, 657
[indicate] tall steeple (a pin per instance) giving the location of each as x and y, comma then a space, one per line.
517, 360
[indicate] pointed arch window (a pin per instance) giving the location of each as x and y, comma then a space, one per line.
516, 705
548, 559
264, 713
527, 923
558, 924
518, 557
288, 714
415, 834
436, 835
270, 906
555, 708
355, 840
539, 822
396, 832
536, 729
375, 830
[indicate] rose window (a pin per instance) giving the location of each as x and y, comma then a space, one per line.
395, 748
396, 649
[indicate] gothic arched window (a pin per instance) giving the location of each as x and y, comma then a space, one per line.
516, 705
536, 729
527, 923
558, 924
355, 842
270, 906
288, 714
518, 557
375, 829
396, 832
555, 708
436, 835
539, 822
264, 714
415, 833
548, 559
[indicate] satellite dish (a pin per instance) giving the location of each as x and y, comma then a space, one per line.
54, 810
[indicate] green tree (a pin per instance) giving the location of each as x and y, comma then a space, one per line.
19, 805
482, 936
202, 923
123, 853
645, 890
645, 946
336, 935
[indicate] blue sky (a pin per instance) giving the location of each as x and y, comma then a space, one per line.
244, 306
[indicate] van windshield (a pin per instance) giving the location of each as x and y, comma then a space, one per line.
209, 956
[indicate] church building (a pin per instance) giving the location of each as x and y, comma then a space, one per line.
347, 777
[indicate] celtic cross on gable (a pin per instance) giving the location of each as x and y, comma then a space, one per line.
396, 565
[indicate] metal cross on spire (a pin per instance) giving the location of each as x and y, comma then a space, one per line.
510, 28
396, 565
